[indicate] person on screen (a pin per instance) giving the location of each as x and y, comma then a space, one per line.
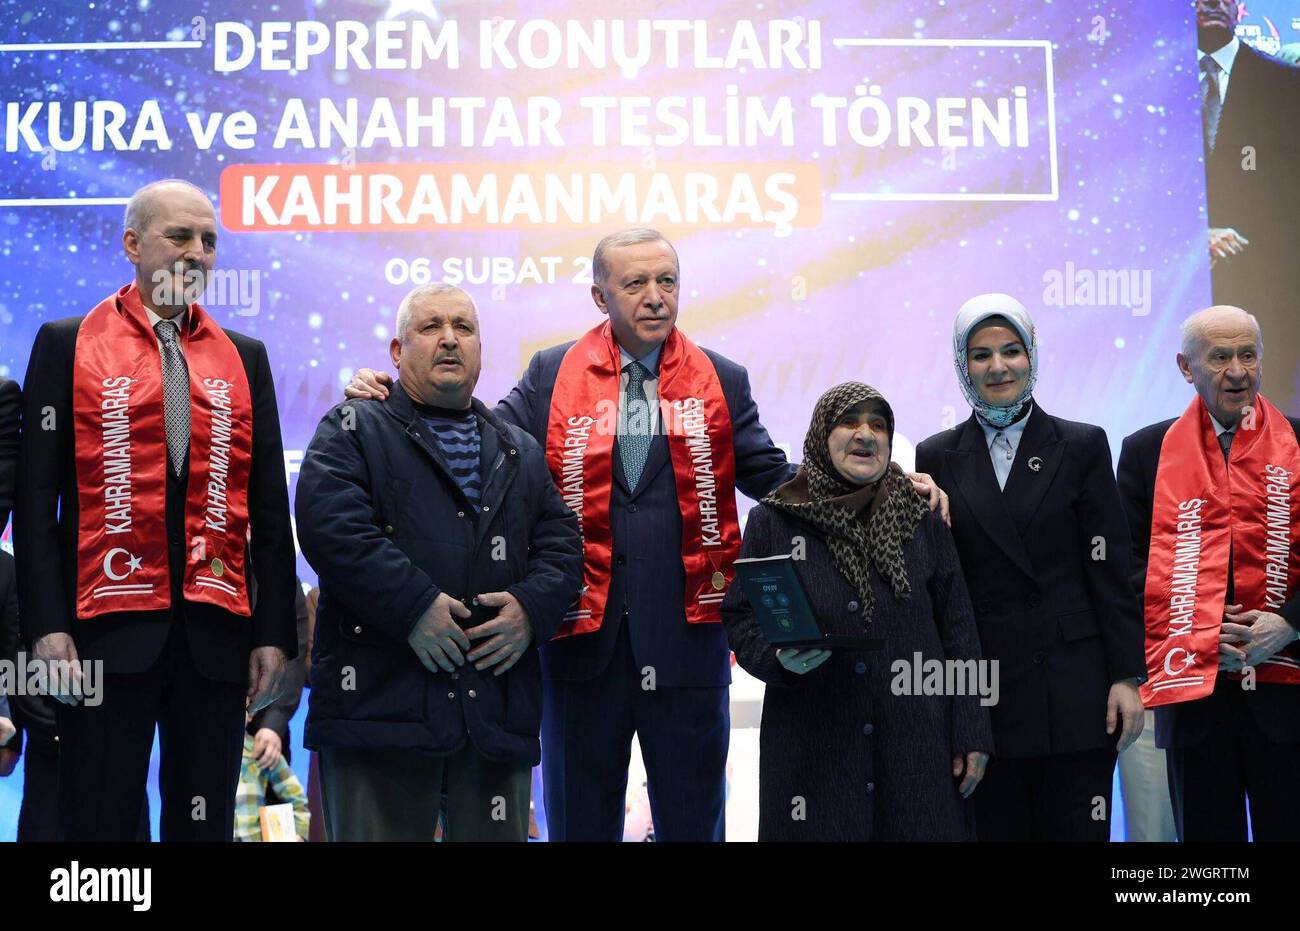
150, 442
1211, 499
445, 555
1045, 552
1250, 108
644, 652
844, 753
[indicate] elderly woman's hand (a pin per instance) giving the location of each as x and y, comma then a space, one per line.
972, 764
802, 661
929, 489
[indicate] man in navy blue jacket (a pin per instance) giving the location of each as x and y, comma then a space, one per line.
444, 553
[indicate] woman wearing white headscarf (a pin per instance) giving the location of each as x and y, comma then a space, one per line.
1044, 547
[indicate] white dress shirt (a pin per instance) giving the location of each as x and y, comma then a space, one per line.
181, 320
1003, 444
1225, 56
651, 385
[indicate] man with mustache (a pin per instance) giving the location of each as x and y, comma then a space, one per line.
1212, 507
150, 444
1250, 109
445, 555
643, 652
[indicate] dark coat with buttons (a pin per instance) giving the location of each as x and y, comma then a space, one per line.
844, 754
387, 528
1047, 564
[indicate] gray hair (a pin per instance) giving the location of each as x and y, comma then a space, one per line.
435, 289
143, 205
600, 271
1193, 325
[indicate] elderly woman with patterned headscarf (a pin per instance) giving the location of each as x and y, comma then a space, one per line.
1044, 549
850, 749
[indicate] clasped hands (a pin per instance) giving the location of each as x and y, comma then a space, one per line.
1247, 638
440, 643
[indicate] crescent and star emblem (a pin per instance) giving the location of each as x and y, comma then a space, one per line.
132, 564
1189, 658
1035, 463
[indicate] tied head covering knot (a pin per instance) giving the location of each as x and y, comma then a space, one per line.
863, 525
972, 314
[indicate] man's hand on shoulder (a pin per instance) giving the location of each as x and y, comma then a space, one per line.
929, 489
367, 383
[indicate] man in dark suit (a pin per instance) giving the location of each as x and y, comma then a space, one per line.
1250, 106
127, 563
645, 670
1243, 739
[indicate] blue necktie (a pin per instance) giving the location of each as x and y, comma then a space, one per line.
634, 440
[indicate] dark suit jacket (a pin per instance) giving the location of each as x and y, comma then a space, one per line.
1061, 622
1261, 110
648, 581
1276, 708
10, 409
45, 531
9, 636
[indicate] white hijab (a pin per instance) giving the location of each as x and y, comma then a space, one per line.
972, 314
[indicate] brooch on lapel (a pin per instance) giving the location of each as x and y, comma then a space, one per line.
1035, 463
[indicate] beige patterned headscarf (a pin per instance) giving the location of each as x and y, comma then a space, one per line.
864, 525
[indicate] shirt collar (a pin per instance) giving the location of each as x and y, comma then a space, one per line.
1220, 429
180, 320
1224, 56
650, 360
1011, 433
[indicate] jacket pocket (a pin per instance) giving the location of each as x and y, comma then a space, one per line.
1079, 625
376, 678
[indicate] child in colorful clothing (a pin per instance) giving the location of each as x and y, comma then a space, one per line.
251, 795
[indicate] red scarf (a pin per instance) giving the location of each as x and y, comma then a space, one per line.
121, 454
1204, 510
579, 450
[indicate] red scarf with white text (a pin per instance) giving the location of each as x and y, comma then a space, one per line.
121, 457
579, 451
1204, 513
